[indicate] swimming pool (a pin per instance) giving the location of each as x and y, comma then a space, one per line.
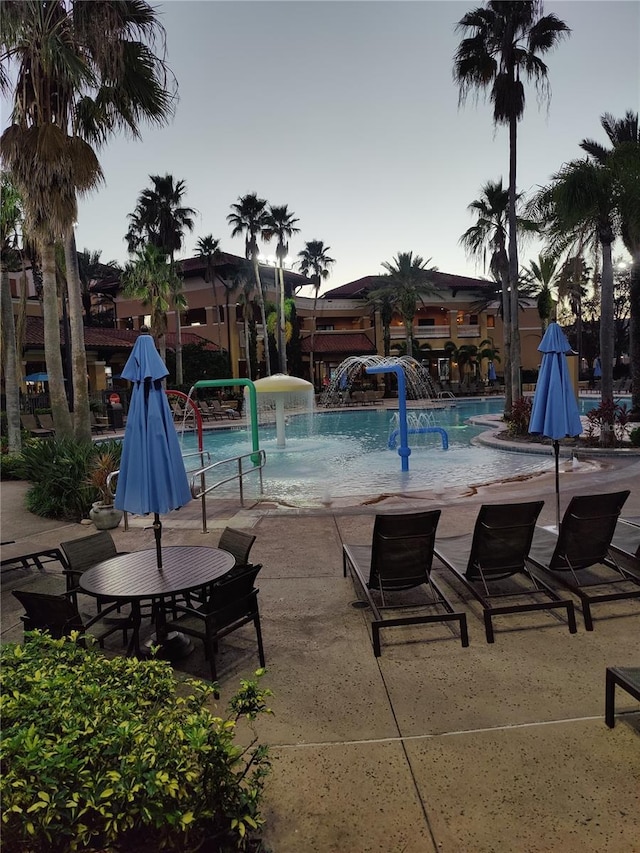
338, 453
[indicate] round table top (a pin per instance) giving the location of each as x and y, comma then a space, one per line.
136, 575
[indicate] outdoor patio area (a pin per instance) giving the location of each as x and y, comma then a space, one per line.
430, 747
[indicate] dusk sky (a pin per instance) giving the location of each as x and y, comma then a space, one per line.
347, 112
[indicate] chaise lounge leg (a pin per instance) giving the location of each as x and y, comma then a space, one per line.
488, 627
609, 705
586, 612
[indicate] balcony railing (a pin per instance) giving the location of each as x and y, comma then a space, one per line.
468, 331
444, 332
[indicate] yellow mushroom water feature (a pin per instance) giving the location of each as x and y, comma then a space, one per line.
281, 393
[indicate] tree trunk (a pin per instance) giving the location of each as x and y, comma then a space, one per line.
263, 314
10, 364
634, 338
515, 359
506, 323
312, 366
81, 415
607, 436
179, 373
53, 356
282, 341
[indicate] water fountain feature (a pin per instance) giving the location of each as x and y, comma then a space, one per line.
279, 394
353, 370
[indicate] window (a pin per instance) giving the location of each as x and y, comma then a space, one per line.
328, 327
196, 317
491, 321
426, 321
473, 319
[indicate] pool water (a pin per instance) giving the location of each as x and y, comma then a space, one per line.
334, 454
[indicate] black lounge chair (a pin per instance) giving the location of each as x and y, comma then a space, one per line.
59, 616
581, 558
31, 425
627, 678
625, 545
398, 559
233, 603
490, 562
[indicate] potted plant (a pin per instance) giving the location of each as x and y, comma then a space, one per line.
103, 513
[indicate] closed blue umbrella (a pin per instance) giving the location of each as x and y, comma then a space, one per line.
491, 375
555, 411
152, 476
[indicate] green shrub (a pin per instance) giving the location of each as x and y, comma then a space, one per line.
11, 466
634, 437
102, 753
58, 471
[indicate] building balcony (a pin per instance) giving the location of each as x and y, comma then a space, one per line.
422, 332
468, 331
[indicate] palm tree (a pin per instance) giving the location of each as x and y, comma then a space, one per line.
408, 280
315, 261
208, 249
243, 285
161, 217
10, 217
504, 45
489, 234
280, 223
248, 218
580, 206
624, 159
151, 279
540, 278
82, 72
381, 300
90, 269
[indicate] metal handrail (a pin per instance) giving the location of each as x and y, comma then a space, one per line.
114, 474
201, 490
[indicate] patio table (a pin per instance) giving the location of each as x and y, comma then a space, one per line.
135, 577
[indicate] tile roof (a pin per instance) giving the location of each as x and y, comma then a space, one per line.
97, 337
350, 343
358, 288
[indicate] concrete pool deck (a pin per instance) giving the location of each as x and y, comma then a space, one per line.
431, 747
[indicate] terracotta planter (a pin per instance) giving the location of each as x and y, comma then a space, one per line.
105, 517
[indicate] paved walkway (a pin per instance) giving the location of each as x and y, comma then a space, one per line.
431, 747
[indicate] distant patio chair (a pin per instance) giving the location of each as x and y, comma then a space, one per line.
208, 413
398, 560
30, 425
217, 408
46, 422
581, 558
491, 563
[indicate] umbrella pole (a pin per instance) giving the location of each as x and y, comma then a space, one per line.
157, 532
556, 450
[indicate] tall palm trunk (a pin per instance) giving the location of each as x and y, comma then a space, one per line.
81, 416
634, 337
312, 366
10, 365
53, 356
514, 355
606, 327
179, 371
263, 312
282, 329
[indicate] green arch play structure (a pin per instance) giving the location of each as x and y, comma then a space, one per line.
253, 407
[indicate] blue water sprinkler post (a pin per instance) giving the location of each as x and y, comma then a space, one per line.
404, 451
253, 407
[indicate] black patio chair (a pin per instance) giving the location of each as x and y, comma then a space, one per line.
625, 545
580, 558
238, 543
399, 559
490, 562
59, 616
233, 603
85, 552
